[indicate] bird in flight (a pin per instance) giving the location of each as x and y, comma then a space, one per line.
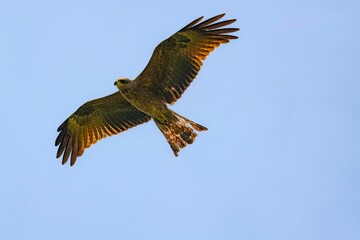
174, 64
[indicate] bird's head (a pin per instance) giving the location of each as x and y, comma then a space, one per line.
120, 82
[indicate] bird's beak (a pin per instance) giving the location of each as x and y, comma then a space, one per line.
114, 83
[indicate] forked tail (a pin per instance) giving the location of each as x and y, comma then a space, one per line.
179, 131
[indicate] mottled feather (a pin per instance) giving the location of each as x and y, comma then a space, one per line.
93, 121
177, 60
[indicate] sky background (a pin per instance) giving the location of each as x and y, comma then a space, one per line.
281, 159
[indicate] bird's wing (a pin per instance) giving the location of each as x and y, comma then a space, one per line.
177, 60
93, 121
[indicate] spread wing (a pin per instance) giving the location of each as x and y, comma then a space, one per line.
93, 121
177, 60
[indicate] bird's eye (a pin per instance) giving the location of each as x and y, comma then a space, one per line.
122, 81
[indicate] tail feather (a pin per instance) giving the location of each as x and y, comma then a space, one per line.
179, 131
195, 125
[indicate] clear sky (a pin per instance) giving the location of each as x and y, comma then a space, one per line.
281, 159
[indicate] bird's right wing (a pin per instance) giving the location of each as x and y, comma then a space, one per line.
93, 121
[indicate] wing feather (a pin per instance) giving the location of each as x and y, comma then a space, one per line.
210, 21
217, 25
93, 121
177, 60
68, 149
193, 23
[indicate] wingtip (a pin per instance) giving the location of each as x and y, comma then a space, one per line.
192, 23
62, 125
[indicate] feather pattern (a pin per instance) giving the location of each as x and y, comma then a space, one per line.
93, 121
177, 60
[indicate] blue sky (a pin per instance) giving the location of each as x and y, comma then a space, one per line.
282, 104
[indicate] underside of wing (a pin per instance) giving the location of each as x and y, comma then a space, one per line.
93, 121
177, 60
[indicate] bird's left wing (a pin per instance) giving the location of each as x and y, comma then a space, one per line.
93, 121
177, 60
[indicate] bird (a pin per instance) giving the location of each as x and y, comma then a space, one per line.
174, 64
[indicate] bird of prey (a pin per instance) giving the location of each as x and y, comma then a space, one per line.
174, 64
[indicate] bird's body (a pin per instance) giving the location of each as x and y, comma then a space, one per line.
174, 64
135, 94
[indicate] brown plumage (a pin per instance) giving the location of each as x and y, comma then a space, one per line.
178, 59
95, 120
174, 64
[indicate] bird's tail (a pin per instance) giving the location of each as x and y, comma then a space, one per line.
179, 131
